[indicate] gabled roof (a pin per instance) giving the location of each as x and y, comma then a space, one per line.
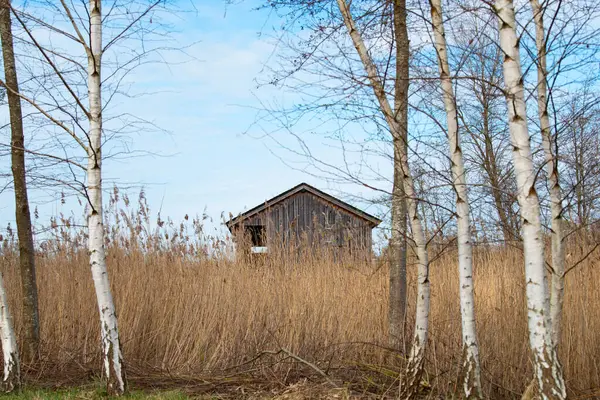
304, 187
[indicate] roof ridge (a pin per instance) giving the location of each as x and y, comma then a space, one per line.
316, 192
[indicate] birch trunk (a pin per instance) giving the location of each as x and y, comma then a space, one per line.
558, 251
111, 349
471, 371
398, 296
22, 214
416, 356
547, 370
11, 379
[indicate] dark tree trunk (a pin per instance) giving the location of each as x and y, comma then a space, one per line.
397, 297
23, 217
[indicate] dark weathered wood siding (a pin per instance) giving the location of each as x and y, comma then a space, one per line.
304, 218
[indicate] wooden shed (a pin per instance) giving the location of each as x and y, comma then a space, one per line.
304, 216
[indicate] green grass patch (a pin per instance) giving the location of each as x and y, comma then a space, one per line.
90, 394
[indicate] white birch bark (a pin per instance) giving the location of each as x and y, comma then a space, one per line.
547, 370
416, 357
471, 371
111, 349
558, 251
11, 379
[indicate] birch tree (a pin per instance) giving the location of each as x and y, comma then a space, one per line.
364, 84
551, 160
471, 370
416, 356
547, 370
71, 99
22, 214
92, 45
11, 378
111, 347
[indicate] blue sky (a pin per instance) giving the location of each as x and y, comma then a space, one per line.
211, 155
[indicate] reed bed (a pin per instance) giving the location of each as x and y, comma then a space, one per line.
187, 307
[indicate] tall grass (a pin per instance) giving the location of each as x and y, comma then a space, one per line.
187, 308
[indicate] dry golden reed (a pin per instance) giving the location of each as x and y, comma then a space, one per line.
184, 312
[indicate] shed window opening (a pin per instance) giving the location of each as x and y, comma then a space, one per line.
257, 235
331, 214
